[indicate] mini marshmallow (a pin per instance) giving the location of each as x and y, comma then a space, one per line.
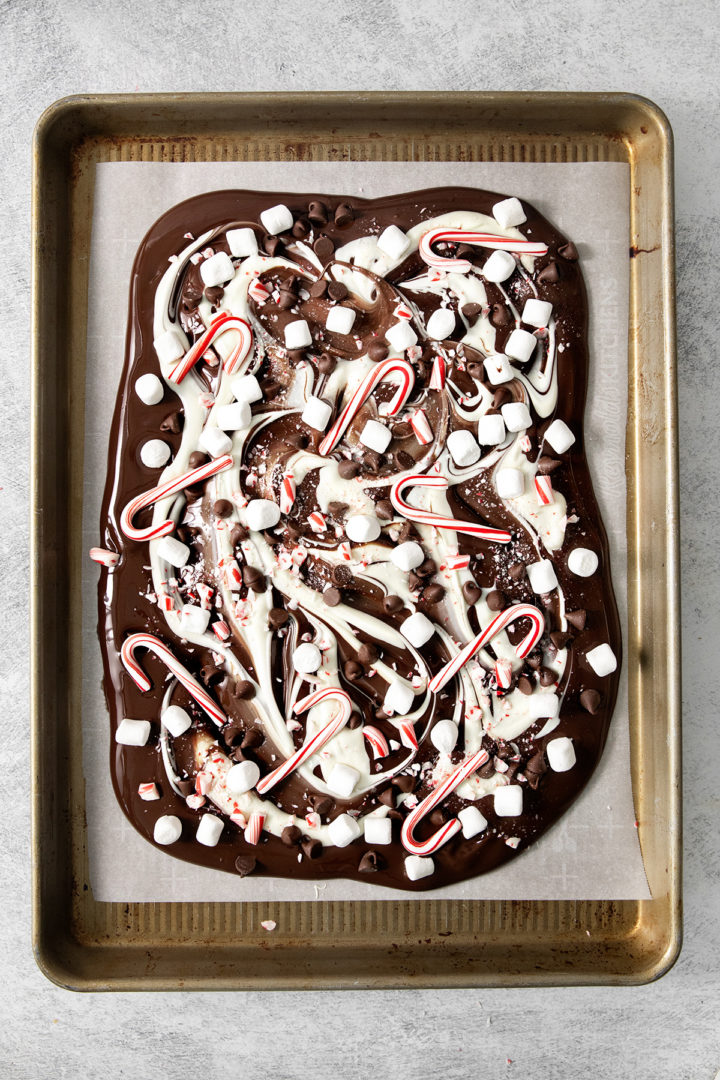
401, 336
132, 732
193, 619
520, 345
508, 213
170, 346
510, 483
173, 551
536, 312
543, 705
399, 698
559, 436
340, 319
560, 754
242, 777
307, 658
417, 867
176, 720
342, 780
149, 389
499, 266
463, 448
417, 629
582, 562
154, 453
491, 430
235, 417
316, 413
297, 335
215, 441
209, 830
242, 242
508, 801
516, 416
394, 243
542, 577
277, 219
246, 388
168, 829
602, 660
261, 514
217, 270
499, 369
441, 324
362, 528
343, 830
407, 556
444, 736
376, 436
472, 821
378, 830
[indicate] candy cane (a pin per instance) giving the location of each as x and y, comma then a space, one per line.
443, 834
425, 517
377, 374
438, 374
377, 741
509, 615
421, 426
324, 735
217, 327
170, 487
408, 737
103, 556
254, 828
487, 240
543, 490
193, 687
288, 491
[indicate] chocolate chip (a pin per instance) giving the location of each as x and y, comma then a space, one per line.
414, 581
353, 671
403, 783
438, 817
377, 350
253, 578
502, 396
318, 288
590, 701
367, 653
348, 470
286, 300
525, 685
402, 430
291, 836
193, 290
252, 738
568, 251
392, 603
547, 676
426, 568
385, 510
547, 465
475, 369
471, 312
517, 571
535, 768
496, 600
355, 721
372, 461
222, 508
433, 593
560, 638
298, 439
534, 660
238, 534
210, 674
337, 291
186, 787
341, 575
407, 532
344, 214
500, 315
403, 460
326, 364
214, 293
273, 245
577, 618
321, 804
471, 592
336, 508
311, 847
369, 863
197, 458
277, 617
324, 248
301, 228
243, 689
318, 213
550, 274
387, 798
245, 864
332, 597
172, 423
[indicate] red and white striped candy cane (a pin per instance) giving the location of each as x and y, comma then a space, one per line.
425, 517
377, 374
500, 622
443, 834
438, 374
481, 239
218, 326
170, 487
544, 490
421, 426
377, 741
288, 491
254, 828
103, 556
503, 673
408, 736
324, 735
181, 673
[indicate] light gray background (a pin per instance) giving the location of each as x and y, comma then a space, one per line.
665, 49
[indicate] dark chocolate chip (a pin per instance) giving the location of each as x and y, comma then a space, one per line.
426, 568
517, 571
344, 214
172, 423
355, 721
336, 508
369, 863
353, 671
387, 798
475, 369
222, 508
332, 597
547, 465
403, 460
403, 783
253, 578
392, 603
286, 300
377, 350
438, 817
321, 804
291, 836
525, 685
197, 458
560, 638
311, 847
326, 364
318, 212
273, 245
211, 675
500, 315
252, 739
301, 228
324, 248
238, 534
502, 396
568, 251
337, 291
433, 593
277, 617
348, 470
368, 653
214, 293
496, 600
372, 461
245, 864
318, 288
385, 510
402, 430
186, 787
550, 274
342, 575
414, 581
244, 689
471, 312
590, 701
471, 592
548, 677
577, 618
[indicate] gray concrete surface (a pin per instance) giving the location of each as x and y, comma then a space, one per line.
667, 50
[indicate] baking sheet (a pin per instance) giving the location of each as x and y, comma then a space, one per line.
593, 852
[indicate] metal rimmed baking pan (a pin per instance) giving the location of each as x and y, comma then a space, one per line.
85, 944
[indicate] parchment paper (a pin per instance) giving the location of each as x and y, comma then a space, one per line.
592, 853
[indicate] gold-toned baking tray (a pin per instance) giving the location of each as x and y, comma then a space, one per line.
87, 945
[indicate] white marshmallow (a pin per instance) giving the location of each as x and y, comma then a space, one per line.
376, 436
491, 430
378, 830
316, 413
261, 514
235, 417
297, 335
508, 213
168, 829
560, 754
343, 830
510, 483
217, 270
441, 324
542, 705
602, 660
170, 346
520, 345
499, 369
393, 242
340, 319
173, 551
193, 619
362, 528
277, 219
542, 577
444, 736
154, 453
472, 821
246, 388
559, 436
463, 448
399, 698
407, 556
582, 562
132, 732
215, 441
417, 867
516, 416
242, 777
508, 801
176, 720
536, 312
499, 266
342, 780
417, 629
242, 242
209, 830
307, 658
149, 389
401, 336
